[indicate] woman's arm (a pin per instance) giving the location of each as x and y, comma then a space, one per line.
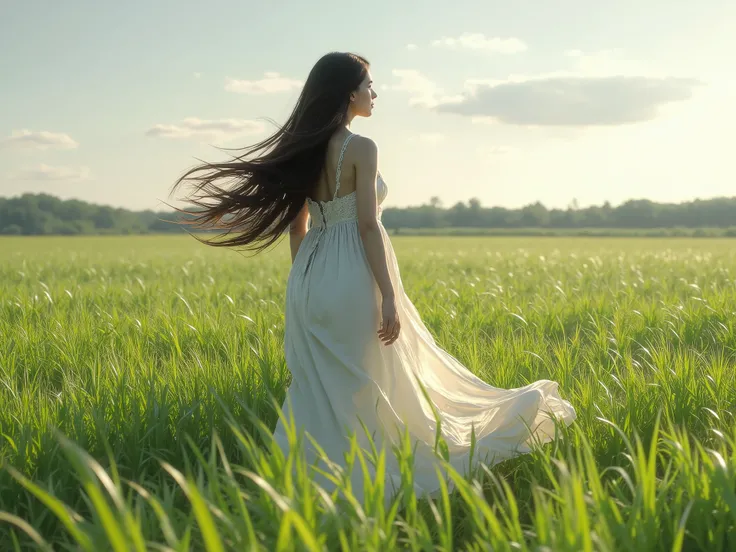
297, 230
366, 171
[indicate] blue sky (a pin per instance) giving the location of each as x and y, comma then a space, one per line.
509, 102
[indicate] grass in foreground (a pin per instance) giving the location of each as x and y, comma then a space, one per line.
157, 359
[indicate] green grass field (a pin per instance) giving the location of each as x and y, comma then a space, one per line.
135, 376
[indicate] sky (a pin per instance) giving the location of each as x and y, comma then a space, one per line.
509, 102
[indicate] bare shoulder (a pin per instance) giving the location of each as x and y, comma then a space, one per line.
364, 149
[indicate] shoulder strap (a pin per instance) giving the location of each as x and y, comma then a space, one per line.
339, 164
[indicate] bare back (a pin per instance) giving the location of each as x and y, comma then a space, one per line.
326, 185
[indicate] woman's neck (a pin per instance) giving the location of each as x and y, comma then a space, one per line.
349, 119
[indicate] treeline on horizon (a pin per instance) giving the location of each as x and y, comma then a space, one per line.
44, 214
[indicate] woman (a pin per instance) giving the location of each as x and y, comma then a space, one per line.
360, 356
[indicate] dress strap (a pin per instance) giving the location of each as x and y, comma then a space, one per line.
339, 164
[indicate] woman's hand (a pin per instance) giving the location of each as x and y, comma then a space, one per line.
390, 324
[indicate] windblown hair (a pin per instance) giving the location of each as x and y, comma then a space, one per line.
254, 198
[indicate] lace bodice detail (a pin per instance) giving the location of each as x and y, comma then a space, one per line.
341, 209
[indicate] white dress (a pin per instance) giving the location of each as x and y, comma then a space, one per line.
344, 377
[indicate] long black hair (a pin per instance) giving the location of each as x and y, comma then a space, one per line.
271, 180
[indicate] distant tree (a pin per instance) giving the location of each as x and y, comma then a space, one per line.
39, 214
458, 215
11, 230
534, 215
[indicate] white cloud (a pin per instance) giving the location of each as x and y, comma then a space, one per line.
411, 47
570, 101
601, 63
480, 42
197, 75
47, 172
422, 90
601, 88
41, 140
194, 127
271, 83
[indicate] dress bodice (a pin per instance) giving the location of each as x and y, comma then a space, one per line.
340, 209
343, 208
